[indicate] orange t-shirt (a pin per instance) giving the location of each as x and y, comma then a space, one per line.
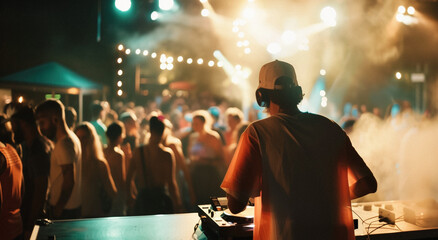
298, 168
11, 181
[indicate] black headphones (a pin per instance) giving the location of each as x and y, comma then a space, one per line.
283, 93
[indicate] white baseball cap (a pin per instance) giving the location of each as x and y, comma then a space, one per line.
271, 71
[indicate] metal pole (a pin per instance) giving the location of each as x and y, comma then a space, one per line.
99, 19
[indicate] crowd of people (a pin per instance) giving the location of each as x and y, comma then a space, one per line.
130, 159
126, 160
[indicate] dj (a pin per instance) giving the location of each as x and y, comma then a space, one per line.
300, 167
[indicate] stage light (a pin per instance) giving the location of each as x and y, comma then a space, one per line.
411, 10
128, 51
166, 5
200, 61
210, 63
123, 5
120, 72
235, 29
322, 72
145, 52
163, 66
203, 1
169, 60
248, 13
400, 17
119, 60
220, 64
120, 47
328, 16
119, 83
138, 51
234, 80
241, 35
169, 66
120, 92
154, 55
20, 99
238, 67
398, 75
205, 12
247, 50
180, 59
239, 44
274, 48
154, 15
288, 37
401, 9
189, 60
322, 93
163, 58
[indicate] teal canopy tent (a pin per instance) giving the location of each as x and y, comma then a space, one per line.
52, 77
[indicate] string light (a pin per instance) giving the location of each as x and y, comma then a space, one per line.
128, 51
120, 47
119, 60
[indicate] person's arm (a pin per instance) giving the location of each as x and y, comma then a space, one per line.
362, 180
363, 187
236, 205
171, 183
108, 182
66, 189
130, 176
180, 163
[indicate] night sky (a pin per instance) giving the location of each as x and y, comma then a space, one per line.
36, 32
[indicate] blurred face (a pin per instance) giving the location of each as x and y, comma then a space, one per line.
47, 125
197, 124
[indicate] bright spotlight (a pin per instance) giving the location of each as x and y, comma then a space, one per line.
154, 15
165, 5
163, 58
238, 67
189, 60
169, 60
398, 75
322, 72
274, 48
120, 92
400, 17
210, 63
119, 60
248, 13
120, 47
401, 9
180, 59
328, 16
411, 10
119, 83
205, 12
203, 1
154, 55
288, 37
220, 64
200, 61
123, 5
163, 66
169, 66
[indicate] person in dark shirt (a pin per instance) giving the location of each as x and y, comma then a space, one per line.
36, 151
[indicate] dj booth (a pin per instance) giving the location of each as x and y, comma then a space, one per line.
375, 220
